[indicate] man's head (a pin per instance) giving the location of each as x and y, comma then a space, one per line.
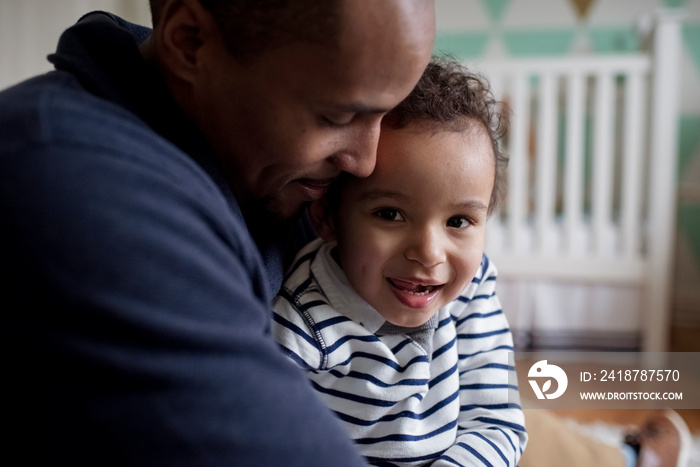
297, 96
251, 27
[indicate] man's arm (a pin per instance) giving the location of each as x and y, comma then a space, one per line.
135, 309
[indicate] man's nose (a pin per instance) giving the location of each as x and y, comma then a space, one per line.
359, 155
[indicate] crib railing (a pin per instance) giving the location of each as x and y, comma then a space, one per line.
591, 178
574, 189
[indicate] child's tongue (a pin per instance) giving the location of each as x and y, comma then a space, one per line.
414, 295
409, 286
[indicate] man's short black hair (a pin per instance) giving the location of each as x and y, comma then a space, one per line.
251, 26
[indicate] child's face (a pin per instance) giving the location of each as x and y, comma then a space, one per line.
411, 236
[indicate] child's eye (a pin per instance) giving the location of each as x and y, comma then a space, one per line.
458, 222
389, 214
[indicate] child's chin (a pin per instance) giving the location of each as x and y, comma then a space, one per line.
417, 317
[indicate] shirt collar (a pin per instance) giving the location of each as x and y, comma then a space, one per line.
341, 296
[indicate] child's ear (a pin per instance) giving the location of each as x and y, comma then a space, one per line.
322, 219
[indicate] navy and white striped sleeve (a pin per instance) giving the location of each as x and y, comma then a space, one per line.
293, 333
491, 422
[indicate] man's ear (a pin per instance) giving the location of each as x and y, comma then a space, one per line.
322, 219
183, 27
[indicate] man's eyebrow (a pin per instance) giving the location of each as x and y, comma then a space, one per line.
374, 195
358, 108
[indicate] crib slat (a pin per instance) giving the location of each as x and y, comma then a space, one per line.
517, 168
632, 166
663, 147
602, 164
546, 164
573, 176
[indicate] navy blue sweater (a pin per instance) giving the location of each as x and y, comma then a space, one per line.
135, 303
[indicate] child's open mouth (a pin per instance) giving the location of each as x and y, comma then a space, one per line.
414, 294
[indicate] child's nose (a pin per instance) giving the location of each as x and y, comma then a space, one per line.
426, 247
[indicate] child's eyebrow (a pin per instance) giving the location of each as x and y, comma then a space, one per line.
472, 205
375, 195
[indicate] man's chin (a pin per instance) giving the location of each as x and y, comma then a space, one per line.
271, 213
284, 210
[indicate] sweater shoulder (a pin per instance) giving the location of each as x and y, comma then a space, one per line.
96, 175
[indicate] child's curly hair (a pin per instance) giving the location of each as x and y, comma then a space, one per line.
450, 97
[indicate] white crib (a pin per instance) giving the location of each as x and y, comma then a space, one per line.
591, 182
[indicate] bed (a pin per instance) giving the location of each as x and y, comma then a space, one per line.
584, 239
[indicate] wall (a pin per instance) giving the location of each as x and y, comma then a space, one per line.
477, 29
29, 30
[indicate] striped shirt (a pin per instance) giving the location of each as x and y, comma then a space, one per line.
454, 404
